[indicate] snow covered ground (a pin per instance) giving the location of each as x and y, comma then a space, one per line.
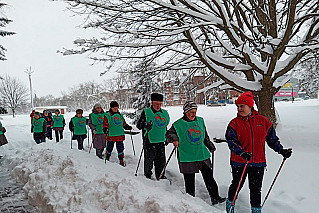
60, 179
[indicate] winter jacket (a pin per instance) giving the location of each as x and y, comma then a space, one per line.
249, 134
99, 139
141, 125
106, 126
190, 167
49, 120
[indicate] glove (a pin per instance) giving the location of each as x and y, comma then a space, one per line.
129, 127
94, 131
246, 156
105, 130
286, 153
148, 126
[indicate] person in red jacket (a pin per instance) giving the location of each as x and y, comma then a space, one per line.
246, 136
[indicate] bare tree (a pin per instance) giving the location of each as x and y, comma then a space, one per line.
13, 93
260, 40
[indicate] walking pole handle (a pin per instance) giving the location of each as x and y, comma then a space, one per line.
169, 158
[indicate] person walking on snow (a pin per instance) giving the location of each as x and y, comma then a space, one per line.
48, 118
246, 136
153, 122
58, 125
3, 139
113, 126
96, 119
189, 136
39, 128
77, 125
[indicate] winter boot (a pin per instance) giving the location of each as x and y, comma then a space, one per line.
229, 207
218, 200
122, 163
255, 209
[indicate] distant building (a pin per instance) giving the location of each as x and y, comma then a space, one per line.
289, 91
51, 109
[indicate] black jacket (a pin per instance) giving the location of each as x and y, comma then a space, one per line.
141, 125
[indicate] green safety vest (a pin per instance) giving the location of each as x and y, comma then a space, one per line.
58, 121
97, 121
79, 125
160, 120
1, 133
38, 125
191, 137
116, 122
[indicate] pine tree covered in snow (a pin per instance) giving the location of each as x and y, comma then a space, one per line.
145, 84
309, 75
3, 22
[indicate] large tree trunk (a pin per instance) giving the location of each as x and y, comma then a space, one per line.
265, 103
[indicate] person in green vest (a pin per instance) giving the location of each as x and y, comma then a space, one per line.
77, 126
58, 125
153, 122
194, 148
96, 119
3, 139
39, 128
113, 126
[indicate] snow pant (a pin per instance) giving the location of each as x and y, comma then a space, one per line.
211, 185
154, 154
119, 147
39, 137
49, 132
57, 132
255, 178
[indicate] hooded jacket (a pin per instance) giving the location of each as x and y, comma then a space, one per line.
249, 134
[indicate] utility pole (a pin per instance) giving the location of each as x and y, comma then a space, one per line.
29, 72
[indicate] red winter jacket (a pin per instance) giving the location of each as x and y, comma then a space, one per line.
249, 134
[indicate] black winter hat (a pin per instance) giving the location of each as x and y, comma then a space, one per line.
79, 111
156, 97
114, 104
37, 113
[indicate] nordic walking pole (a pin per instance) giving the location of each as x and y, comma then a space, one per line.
88, 138
242, 175
92, 143
138, 164
169, 158
132, 142
284, 160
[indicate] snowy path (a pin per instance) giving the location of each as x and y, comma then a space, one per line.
58, 179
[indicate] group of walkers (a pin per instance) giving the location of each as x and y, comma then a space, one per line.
246, 136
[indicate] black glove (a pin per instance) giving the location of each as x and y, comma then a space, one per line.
148, 125
286, 153
246, 155
2, 129
128, 127
106, 130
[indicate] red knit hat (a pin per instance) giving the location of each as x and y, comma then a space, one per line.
246, 98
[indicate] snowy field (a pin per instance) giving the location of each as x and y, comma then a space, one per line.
59, 179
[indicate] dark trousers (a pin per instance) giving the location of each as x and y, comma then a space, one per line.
49, 132
154, 155
57, 132
39, 137
99, 152
209, 180
119, 147
255, 178
80, 140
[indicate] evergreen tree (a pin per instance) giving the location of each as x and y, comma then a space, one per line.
3, 22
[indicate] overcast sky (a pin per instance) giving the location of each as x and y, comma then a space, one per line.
42, 28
